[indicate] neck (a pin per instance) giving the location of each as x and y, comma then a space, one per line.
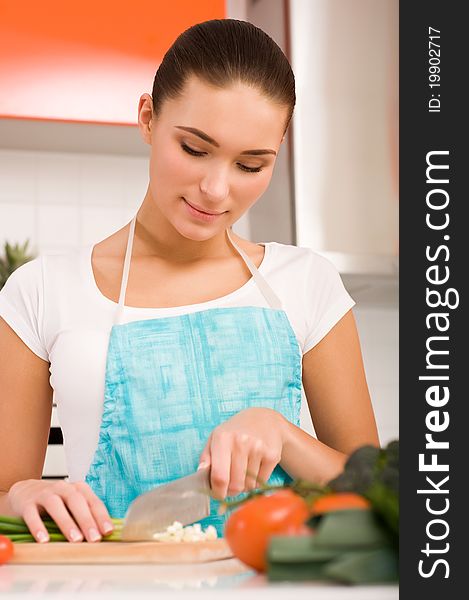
156, 236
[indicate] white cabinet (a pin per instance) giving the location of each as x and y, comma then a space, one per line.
345, 59
55, 465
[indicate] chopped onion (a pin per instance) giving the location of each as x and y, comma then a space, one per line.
192, 533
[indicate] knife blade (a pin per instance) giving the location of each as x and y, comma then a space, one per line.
185, 500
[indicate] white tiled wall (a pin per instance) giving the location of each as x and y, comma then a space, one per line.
378, 329
59, 201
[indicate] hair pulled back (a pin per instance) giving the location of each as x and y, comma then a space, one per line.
222, 52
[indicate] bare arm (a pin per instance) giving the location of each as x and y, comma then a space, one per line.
25, 413
336, 389
340, 406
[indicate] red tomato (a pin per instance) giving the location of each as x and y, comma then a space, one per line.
6, 549
339, 501
250, 527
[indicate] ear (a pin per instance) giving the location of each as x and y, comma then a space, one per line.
145, 116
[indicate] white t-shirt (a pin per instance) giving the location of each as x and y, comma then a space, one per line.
56, 308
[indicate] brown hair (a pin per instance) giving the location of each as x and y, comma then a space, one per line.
222, 52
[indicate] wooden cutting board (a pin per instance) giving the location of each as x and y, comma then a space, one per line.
121, 552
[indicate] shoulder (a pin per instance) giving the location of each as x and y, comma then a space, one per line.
64, 267
62, 263
311, 290
300, 261
22, 304
281, 253
25, 279
33, 278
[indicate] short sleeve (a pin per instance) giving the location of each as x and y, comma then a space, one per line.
326, 299
22, 305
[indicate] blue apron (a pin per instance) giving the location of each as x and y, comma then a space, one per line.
170, 381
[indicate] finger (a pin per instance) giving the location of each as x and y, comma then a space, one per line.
79, 508
97, 507
55, 507
205, 458
35, 525
254, 464
268, 464
239, 465
220, 451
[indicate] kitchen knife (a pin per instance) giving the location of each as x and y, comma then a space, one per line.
185, 500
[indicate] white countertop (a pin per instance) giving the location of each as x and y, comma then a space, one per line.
224, 578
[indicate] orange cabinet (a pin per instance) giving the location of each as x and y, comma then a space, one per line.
87, 61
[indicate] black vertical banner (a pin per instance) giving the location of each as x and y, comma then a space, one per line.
433, 298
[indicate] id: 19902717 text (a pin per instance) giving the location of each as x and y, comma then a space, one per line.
434, 103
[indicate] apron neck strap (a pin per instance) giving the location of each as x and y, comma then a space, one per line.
268, 293
272, 299
126, 270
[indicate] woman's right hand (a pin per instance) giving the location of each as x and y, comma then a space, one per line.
74, 507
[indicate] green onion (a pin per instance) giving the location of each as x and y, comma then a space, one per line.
12, 528
21, 537
18, 532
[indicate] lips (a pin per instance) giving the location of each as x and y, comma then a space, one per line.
202, 210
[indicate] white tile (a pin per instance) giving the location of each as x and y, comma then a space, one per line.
385, 399
99, 222
58, 226
369, 356
386, 365
363, 324
378, 324
51, 249
242, 227
102, 181
17, 177
18, 224
128, 213
386, 402
131, 208
136, 177
379, 339
374, 292
58, 177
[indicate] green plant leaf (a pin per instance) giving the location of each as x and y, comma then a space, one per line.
14, 256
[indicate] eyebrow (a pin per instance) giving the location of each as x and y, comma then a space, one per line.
208, 139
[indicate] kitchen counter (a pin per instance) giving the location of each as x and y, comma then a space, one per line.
224, 578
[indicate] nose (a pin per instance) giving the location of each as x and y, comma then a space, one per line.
214, 185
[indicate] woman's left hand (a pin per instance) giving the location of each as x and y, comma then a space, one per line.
245, 448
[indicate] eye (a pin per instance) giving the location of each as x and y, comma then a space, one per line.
244, 168
249, 169
190, 150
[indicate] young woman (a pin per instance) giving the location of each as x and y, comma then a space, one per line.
174, 343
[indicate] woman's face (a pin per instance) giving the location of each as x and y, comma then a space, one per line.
214, 150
